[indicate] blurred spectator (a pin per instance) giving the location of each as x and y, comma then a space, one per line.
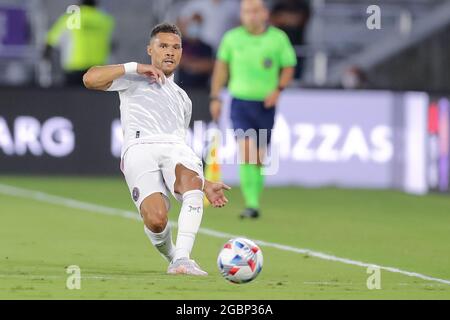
354, 78
14, 26
197, 62
292, 17
81, 46
218, 17
15, 41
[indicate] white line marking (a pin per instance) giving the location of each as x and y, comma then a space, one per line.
71, 203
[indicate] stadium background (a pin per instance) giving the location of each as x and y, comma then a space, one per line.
367, 120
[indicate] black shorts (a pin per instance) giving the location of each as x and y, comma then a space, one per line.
247, 115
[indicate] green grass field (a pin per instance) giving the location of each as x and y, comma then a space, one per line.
39, 239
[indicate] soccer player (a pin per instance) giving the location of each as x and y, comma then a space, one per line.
259, 62
155, 113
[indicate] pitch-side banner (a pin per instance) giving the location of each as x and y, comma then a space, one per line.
367, 139
342, 138
56, 131
61, 131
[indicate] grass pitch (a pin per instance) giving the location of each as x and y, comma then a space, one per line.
39, 239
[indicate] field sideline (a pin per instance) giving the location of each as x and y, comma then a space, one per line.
39, 239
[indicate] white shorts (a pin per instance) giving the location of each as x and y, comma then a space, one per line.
150, 168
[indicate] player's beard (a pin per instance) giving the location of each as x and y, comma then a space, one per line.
167, 71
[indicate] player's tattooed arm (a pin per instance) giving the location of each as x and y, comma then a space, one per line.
214, 192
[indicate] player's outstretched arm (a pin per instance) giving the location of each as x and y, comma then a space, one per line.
214, 192
101, 77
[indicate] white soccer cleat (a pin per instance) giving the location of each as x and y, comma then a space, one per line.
185, 266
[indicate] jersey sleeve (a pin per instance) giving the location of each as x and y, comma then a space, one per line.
224, 51
121, 84
288, 57
56, 31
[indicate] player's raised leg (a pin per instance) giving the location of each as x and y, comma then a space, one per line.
156, 226
190, 185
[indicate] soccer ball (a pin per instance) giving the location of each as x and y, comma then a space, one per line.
240, 260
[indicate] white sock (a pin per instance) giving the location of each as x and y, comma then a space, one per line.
189, 223
162, 241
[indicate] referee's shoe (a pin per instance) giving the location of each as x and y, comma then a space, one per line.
249, 213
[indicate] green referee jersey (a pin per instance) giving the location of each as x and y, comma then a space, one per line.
84, 46
255, 61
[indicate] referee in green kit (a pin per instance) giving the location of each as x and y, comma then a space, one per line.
258, 62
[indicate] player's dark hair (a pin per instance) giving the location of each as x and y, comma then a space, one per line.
165, 28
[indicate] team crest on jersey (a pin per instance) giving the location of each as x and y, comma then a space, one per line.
135, 194
268, 63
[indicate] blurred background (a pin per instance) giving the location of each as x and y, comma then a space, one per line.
368, 108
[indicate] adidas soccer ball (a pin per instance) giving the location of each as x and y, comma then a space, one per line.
240, 260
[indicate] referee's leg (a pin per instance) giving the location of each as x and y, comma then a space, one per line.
250, 174
243, 116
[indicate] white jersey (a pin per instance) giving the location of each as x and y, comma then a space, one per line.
150, 112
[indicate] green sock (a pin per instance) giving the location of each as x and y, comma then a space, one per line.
252, 183
260, 181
